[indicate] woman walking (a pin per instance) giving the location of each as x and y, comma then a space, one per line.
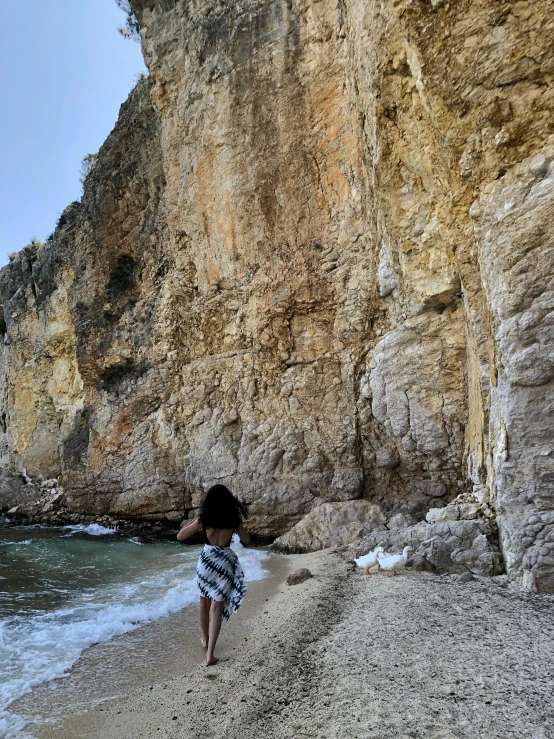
219, 575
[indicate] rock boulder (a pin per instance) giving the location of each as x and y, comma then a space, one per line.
332, 525
299, 576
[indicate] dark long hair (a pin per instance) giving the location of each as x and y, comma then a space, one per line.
221, 510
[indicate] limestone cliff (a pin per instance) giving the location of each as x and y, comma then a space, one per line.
314, 261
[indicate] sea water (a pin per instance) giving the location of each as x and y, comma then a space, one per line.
63, 590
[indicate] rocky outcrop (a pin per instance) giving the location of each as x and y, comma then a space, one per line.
314, 262
513, 220
331, 525
465, 506
446, 547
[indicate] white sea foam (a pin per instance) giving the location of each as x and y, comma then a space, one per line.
15, 543
251, 560
38, 649
94, 529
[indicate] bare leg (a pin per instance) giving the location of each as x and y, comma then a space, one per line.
205, 619
216, 614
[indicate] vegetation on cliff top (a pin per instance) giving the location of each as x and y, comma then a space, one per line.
131, 29
87, 165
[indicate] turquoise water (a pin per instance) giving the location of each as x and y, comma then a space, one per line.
42, 570
63, 590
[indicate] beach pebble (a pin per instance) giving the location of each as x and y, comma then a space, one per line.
465, 577
299, 576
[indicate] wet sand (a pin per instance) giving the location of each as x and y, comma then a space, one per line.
349, 656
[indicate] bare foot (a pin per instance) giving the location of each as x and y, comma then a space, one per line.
212, 661
204, 643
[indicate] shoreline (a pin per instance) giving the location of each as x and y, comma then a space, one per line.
133, 660
345, 655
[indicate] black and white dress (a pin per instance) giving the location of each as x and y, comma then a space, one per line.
219, 576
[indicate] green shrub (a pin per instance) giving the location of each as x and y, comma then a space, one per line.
34, 245
87, 165
62, 221
131, 29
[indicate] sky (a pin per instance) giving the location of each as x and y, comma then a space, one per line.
64, 72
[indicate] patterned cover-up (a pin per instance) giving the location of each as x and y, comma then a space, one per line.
219, 576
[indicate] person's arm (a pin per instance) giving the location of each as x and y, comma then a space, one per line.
243, 534
189, 530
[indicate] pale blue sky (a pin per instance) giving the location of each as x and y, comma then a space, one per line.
64, 72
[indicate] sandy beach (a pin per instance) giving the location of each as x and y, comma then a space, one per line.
346, 655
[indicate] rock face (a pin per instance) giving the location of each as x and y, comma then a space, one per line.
313, 261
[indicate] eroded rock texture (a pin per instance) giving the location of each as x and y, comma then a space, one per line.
314, 261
